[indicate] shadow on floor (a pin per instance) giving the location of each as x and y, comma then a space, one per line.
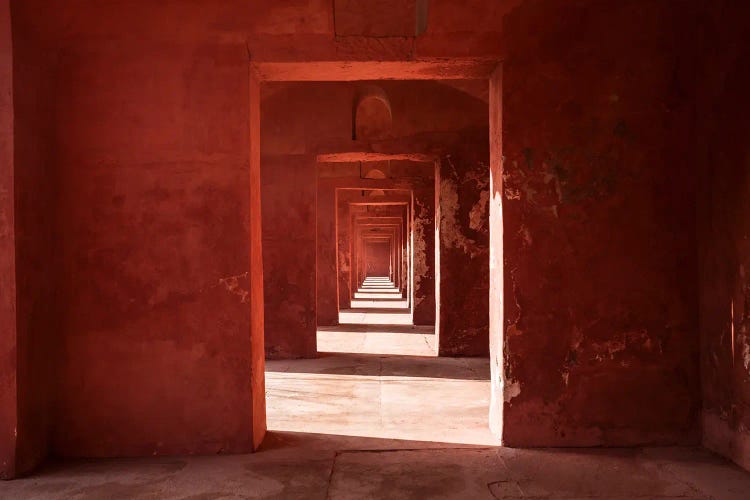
379, 365
385, 328
278, 440
324, 466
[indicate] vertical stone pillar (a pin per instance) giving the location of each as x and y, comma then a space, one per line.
326, 281
257, 316
344, 253
8, 394
463, 279
497, 278
423, 252
289, 191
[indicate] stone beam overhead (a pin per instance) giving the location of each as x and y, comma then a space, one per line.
335, 71
369, 156
381, 203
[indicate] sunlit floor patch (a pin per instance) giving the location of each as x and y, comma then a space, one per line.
383, 340
406, 397
386, 303
370, 316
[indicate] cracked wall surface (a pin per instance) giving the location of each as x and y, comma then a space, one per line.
463, 283
598, 217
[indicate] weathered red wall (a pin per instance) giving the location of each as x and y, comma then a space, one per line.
378, 260
151, 150
601, 343
148, 145
289, 194
289, 173
424, 253
721, 137
462, 282
8, 408
325, 268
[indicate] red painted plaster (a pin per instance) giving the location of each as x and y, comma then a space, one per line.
8, 407
463, 228
155, 212
601, 339
37, 260
723, 213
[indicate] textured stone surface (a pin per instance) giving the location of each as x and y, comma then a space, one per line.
342, 467
723, 208
462, 209
601, 336
289, 194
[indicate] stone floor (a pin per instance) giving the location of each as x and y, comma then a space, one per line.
358, 387
363, 422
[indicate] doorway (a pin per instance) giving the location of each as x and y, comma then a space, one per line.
402, 363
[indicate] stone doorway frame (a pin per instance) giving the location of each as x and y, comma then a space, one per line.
332, 71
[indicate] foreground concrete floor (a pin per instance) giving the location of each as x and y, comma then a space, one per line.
364, 423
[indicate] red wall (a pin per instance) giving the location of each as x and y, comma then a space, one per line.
151, 149
378, 259
325, 268
132, 178
8, 409
723, 153
463, 266
289, 197
36, 240
601, 342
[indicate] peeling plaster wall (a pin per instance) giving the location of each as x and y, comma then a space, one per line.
601, 344
463, 284
424, 255
723, 153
